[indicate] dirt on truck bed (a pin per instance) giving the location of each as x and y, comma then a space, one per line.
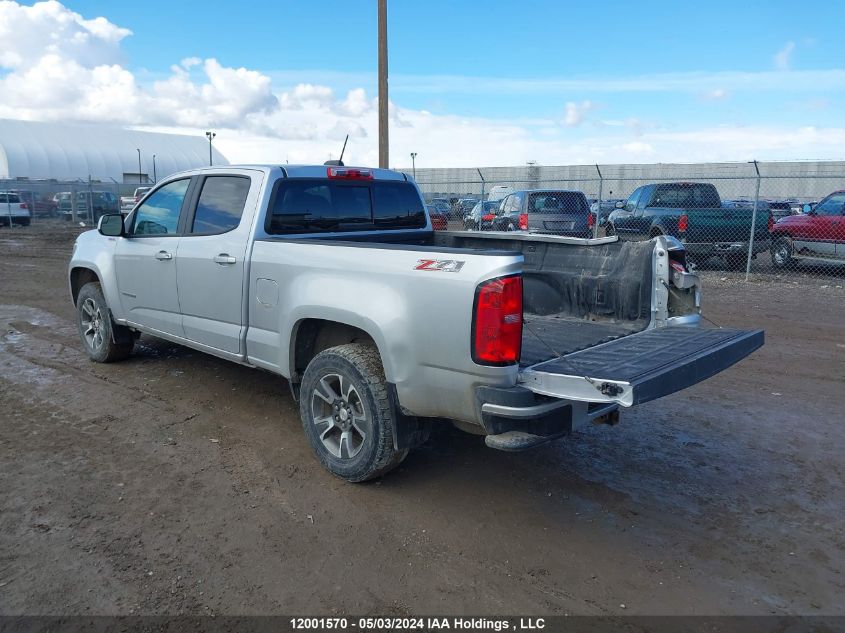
176, 483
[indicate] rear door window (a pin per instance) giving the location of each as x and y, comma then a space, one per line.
315, 206
221, 204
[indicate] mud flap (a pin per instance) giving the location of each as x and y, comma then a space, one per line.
642, 367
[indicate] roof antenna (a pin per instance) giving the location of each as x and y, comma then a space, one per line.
339, 161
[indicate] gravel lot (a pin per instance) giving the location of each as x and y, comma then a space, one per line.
178, 483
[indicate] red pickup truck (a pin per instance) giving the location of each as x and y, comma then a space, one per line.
817, 234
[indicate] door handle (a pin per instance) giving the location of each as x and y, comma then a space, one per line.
224, 259
163, 255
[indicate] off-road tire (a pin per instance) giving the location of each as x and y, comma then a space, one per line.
102, 349
361, 366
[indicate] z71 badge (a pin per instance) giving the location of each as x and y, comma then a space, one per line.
440, 265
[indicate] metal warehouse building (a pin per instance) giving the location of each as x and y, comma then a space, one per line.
61, 151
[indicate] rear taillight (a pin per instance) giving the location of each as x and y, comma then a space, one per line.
497, 321
771, 222
487, 217
523, 221
590, 219
24, 205
683, 223
346, 173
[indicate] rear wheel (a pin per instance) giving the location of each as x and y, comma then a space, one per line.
97, 329
782, 252
346, 413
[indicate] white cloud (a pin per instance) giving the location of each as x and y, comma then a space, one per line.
717, 94
783, 58
577, 112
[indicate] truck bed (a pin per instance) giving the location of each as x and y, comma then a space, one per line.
547, 337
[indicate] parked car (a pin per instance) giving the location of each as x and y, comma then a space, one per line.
472, 219
462, 207
498, 192
693, 213
781, 209
13, 210
551, 211
127, 203
102, 203
603, 210
439, 217
334, 279
38, 205
817, 234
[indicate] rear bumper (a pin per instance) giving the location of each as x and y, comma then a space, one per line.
702, 249
515, 418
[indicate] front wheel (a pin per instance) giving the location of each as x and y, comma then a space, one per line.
97, 329
346, 413
782, 252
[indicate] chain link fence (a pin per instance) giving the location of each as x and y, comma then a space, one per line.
752, 217
24, 202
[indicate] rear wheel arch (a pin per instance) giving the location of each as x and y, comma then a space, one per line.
311, 336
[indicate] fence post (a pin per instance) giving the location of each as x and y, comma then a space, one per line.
480, 175
8, 205
598, 204
753, 223
73, 214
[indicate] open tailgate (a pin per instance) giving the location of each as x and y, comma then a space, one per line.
641, 367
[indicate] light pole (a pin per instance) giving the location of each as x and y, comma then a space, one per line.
383, 145
414, 164
210, 136
138, 149
155, 180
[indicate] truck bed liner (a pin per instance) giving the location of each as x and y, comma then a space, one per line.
545, 337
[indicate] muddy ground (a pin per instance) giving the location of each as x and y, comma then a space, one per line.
177, 483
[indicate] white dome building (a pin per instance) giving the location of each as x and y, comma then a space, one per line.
64, 151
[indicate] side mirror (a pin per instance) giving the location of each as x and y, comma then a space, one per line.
111, 225
808, 208
620, 204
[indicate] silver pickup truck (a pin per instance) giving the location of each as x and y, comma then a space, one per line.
333, 278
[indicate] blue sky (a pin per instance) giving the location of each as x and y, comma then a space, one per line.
611, 74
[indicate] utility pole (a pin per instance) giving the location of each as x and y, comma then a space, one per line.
414, 164
138, 149
210, 136
383, 145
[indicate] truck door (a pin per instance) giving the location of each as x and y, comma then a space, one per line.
624, 222
210, 269
818, 235
145, 260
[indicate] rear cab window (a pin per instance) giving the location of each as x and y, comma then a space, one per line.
306, 205
685, 196
557, 202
